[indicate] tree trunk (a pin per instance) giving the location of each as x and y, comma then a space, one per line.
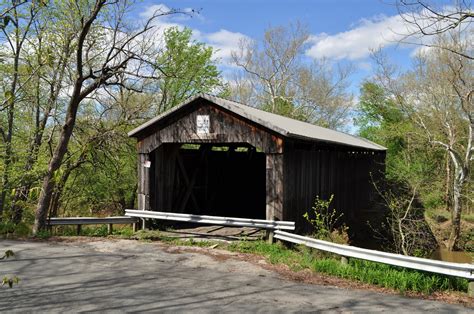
57, 194
44, 200
5, 177
447, 193
9, 136
455, 217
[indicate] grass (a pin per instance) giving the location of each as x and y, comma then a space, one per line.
386, 276
468, 217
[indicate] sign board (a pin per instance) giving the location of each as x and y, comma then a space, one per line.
203, 124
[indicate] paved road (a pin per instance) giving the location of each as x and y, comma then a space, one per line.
130, 276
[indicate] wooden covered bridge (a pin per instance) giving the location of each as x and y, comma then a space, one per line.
217, 157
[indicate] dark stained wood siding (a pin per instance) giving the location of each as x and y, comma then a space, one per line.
312, 170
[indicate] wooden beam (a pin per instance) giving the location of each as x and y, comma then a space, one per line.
274, 186
143, 182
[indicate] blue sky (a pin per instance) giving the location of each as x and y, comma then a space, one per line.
342, 31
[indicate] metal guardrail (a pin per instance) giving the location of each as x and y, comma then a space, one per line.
62, 221
423, 264
215, 220
79, 221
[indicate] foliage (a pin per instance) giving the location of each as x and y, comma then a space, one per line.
93, 172
434, 98
189, 67
325, 219
9, 280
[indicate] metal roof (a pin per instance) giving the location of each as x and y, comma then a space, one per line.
287, 127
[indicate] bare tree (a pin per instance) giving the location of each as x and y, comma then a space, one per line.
404, 227
276, 74
272, 65
425, 19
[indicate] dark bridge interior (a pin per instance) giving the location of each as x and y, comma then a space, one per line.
210, 179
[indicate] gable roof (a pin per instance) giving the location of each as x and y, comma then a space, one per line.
287, 127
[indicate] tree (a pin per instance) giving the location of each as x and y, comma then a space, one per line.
49, 54
437, 97
17, 24
410, 169
276, 74
189, 69
107, 55
272, 65
425, 19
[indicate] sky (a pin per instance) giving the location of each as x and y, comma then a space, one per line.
341, 31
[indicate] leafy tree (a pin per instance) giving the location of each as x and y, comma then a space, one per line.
107, 54
189, 68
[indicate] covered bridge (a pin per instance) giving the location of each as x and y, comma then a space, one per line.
217, 157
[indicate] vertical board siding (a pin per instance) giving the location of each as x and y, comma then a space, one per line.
325, 171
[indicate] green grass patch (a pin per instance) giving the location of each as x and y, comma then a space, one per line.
387, 276
468, 217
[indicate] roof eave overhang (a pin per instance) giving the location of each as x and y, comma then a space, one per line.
377, 148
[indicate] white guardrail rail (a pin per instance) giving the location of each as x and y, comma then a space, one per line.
61, 221
423, 264
214, 220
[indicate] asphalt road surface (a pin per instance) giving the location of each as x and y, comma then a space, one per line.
130, 276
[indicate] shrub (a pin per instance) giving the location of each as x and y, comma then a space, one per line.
325, 221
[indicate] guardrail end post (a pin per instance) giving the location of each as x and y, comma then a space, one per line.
344, 260
110, 228
79, 228
269, 235
470, 289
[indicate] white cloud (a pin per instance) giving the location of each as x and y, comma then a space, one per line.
224, 42
378, 32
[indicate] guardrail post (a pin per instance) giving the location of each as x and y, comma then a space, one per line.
344, 260
79, 228
110, 228
269, 235
135, 226
470, 288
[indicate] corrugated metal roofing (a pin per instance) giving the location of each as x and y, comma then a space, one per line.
285, 126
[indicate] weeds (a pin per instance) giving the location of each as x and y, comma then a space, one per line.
324, 219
